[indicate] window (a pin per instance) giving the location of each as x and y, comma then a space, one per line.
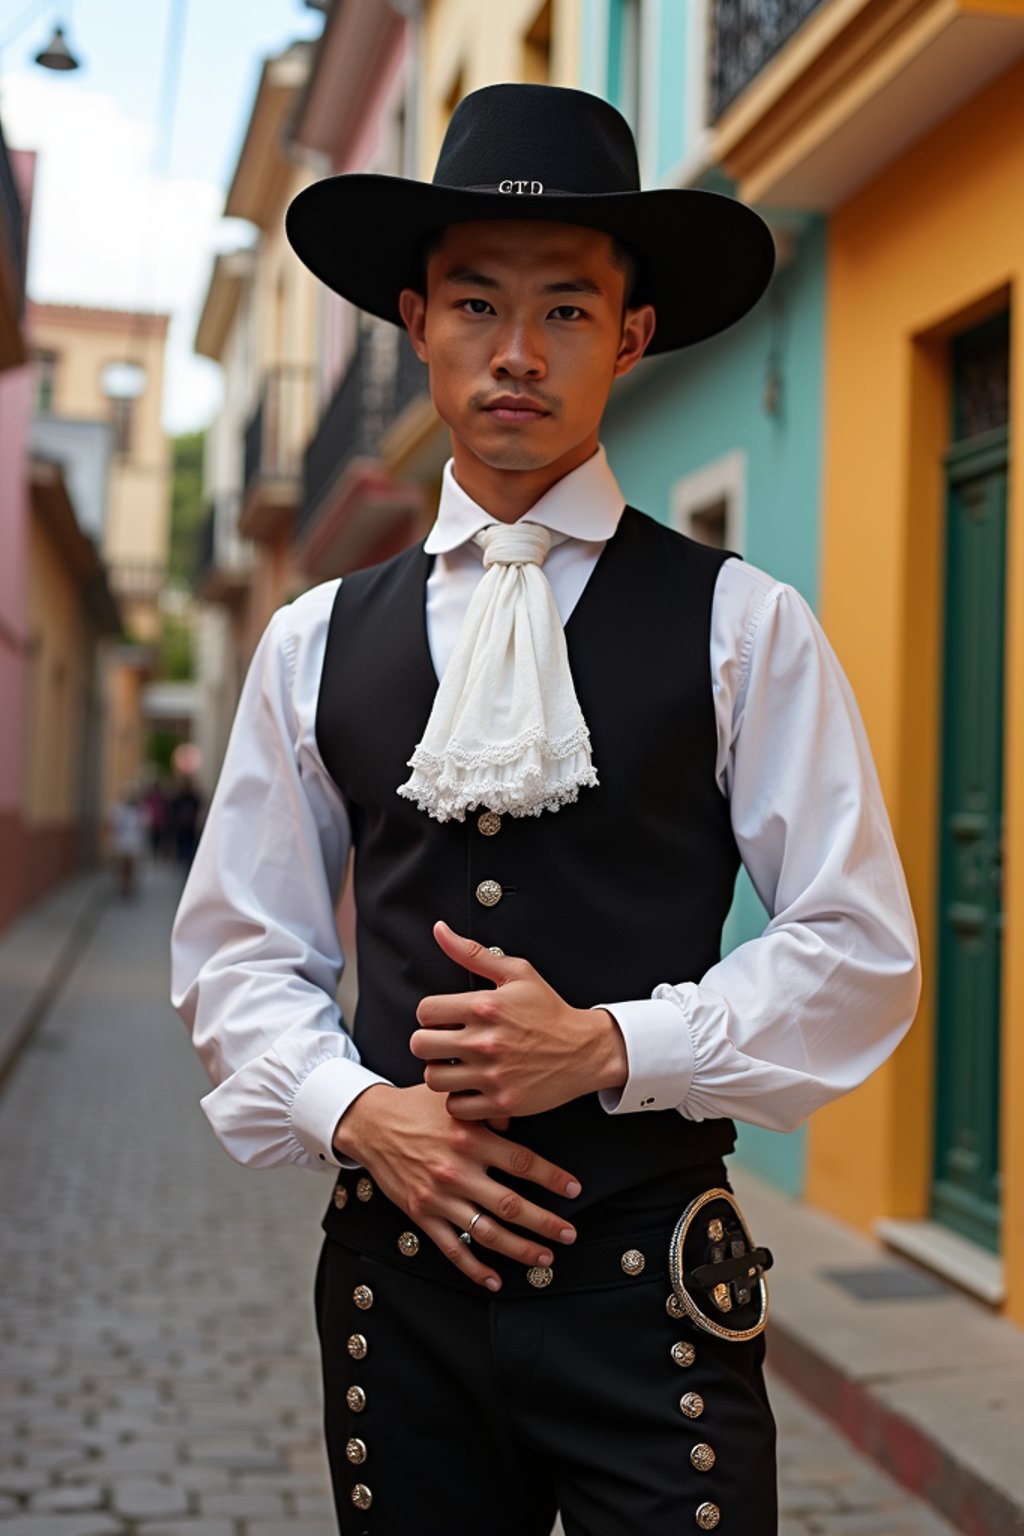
707, 522
122, 383
121, 420
45, 380
709, 505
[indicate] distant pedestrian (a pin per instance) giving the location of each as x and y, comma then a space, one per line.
156, 812
185, 809
127, 839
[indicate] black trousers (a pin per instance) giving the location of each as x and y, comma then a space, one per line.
450, 1413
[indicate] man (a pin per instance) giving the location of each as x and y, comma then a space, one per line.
537, 1291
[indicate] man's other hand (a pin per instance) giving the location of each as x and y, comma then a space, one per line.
436, 1170
519, 1048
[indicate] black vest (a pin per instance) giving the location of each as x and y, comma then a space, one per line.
608, 896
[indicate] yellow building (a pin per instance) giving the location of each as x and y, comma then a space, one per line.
106, 366
905, 124
69, 611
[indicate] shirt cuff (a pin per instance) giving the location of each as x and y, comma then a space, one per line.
659, 1056
322, 1098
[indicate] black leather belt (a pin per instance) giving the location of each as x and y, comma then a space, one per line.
363, 1218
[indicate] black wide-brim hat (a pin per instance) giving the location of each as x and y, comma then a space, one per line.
550, 152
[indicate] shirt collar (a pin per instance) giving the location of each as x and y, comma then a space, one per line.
585, 504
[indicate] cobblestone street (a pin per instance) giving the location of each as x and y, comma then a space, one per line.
159, 1373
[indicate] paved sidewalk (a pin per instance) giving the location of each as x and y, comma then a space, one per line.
826, 1488
159, 1363
922, 1376
38, 949
159, 1371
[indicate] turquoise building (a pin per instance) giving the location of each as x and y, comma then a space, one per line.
722, 439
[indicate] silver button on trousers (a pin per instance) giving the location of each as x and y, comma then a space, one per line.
484, 1415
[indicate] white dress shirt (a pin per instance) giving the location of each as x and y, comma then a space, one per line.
779, 1026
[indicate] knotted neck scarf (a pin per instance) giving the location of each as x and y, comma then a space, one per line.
506, 730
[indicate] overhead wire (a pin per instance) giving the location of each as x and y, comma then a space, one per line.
150, 237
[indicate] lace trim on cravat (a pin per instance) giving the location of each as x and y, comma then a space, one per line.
509, 673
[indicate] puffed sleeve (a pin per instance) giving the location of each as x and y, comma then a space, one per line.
255, 953
811, 1007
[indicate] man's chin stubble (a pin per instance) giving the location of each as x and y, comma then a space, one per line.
514, 456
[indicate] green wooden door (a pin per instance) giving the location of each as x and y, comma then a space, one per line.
966, 1184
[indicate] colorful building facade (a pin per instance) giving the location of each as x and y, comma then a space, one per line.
71, 616
854, 436
723, 439
56, 606
108, 365
105, 367
915, 153
17, 175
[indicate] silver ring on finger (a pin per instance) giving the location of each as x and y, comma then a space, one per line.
467, 1236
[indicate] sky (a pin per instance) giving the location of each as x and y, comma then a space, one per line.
125, 215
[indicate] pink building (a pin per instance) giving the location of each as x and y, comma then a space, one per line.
56, 606
17, 174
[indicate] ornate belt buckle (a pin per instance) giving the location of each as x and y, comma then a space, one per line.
717, 1271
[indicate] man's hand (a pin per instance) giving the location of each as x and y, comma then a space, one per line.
436, 1170
520, 1049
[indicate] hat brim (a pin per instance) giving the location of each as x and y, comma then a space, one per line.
708, 257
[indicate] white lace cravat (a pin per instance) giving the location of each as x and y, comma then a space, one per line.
506, 730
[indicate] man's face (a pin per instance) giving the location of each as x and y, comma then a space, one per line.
526, 309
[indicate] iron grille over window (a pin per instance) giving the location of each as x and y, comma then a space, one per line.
982, 367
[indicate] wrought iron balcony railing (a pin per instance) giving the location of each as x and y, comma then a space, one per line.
137, 580
383, 377
224, 558
278, 428
744, 35
411, 380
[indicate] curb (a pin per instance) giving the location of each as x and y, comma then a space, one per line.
87, 905
930, 1388
920, 1463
